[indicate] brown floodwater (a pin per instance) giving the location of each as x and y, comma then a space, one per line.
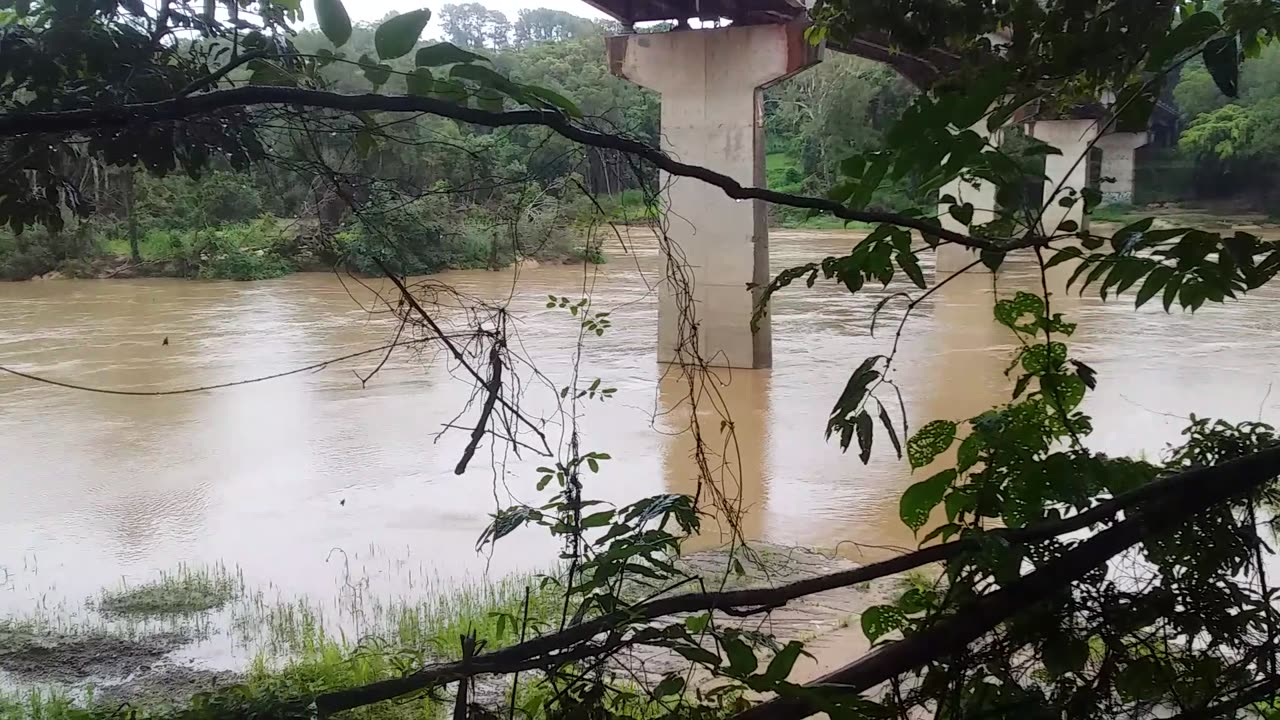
273, 476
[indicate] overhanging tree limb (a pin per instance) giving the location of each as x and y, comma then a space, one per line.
1176, 496
1195, 491
181, 108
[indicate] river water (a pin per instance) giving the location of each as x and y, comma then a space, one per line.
273, 477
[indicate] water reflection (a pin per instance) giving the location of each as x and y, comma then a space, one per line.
735, 450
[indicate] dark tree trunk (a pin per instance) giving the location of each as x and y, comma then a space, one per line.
131, 218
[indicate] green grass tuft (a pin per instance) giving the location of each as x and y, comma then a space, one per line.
184, 592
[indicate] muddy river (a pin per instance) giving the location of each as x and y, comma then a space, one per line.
273, 477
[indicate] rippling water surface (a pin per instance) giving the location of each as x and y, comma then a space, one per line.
274, 476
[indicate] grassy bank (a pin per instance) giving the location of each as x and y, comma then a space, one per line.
291, 647
411, 240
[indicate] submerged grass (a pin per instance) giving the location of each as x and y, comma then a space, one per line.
430, 624
289, 647
40, 704
186, 591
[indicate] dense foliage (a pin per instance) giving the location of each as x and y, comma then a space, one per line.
814, 121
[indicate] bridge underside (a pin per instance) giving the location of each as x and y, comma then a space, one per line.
710, 80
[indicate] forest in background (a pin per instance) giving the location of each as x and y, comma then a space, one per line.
460, 196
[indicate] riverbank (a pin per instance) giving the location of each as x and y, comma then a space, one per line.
156, 644
148, 644
270, 247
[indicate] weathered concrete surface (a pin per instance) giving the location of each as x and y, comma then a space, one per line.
1118, 156
710, 82
1065, 172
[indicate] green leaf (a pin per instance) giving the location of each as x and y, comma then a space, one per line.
1067, 390
992, 259
1062, 655
782, 663
863, 423
419, 82
945, 531
893, 433
376, 73
880, 620
742, 660
1092, 198
1152, 285
921, 498
397, 36
871, 179
1039, 359
970, 448
1222, 59
593, 464
915, 601
1063, 255
854, 392
1186, 35
264, 72
553, 100
911, 266
672, 684
978, 97
491, 100
963, 213
334, 21
365, 143
481, 75
599, 519
929, 441
1040, 148
1171, 291
1140, 680
453, 91
699, 655
445, 53
697, 623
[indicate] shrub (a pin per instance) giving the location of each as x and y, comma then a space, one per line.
241, 252
412, 239
76, 268
179, 202
38, 251
228, 262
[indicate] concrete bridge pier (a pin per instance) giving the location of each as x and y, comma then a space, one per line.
1068, 171
710, 82
1118, 155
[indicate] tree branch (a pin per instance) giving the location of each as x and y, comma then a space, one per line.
1186, 493
1195, 491
179, 108
494, 388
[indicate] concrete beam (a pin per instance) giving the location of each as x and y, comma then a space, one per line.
1118, 154
1065, 172
710, 82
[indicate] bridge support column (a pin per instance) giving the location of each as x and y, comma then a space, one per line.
1068, 171
710, 82
1118, 151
